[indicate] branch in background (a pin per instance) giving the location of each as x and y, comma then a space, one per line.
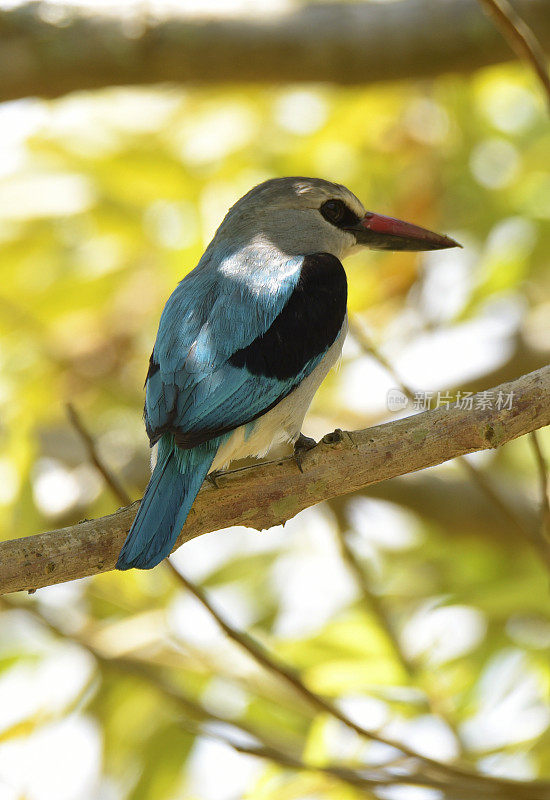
279, 669
271, 493
48, 52
443, 499
521, 38
484, 484
383, 618
110, 479
372, 601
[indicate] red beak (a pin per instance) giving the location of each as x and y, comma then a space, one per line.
386, 233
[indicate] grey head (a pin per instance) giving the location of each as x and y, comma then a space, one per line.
300, 215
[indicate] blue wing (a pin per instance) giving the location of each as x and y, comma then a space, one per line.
231, 346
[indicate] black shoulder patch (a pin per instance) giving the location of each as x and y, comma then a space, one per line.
306, 327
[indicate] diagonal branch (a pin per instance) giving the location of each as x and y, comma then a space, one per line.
273, 492
110, 479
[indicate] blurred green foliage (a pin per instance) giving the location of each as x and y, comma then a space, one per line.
106, 201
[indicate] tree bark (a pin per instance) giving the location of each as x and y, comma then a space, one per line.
49, 51
272, 493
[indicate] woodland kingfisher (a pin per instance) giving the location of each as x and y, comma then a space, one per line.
246, 339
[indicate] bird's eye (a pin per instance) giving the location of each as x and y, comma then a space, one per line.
333, 210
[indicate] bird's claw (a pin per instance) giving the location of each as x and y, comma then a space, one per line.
301, 447
213, 476
335, 437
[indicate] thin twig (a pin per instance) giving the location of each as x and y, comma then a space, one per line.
384, 620
111, 480
277, 667
485, 485
372, 600
369, 348
520, 38
283, 759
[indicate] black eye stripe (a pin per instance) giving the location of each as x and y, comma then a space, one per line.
338, 213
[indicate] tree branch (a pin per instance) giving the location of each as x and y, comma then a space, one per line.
521, 39
90, 446
50, 53
273, 492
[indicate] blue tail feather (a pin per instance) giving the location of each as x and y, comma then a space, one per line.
174, 484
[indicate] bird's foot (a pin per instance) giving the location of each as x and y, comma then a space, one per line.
335, 437
301, 447
213, 476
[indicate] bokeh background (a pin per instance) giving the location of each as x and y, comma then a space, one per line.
420, 604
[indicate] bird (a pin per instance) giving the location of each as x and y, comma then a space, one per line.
246, 339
